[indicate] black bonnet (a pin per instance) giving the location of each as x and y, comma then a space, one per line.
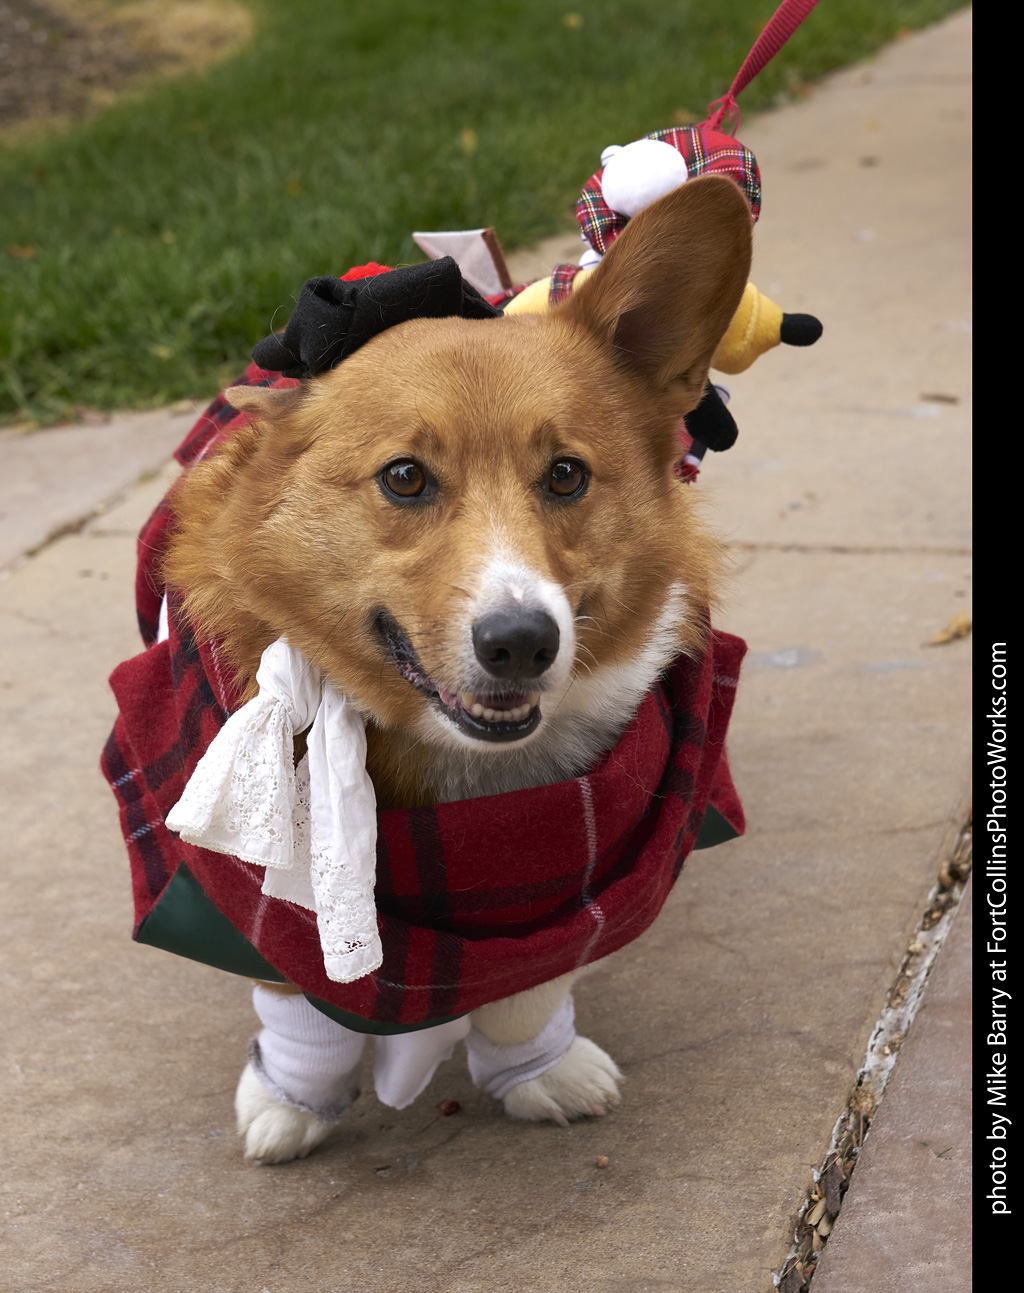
333, 318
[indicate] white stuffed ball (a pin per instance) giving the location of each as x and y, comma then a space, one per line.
639, 174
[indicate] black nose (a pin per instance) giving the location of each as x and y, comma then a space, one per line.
515, 644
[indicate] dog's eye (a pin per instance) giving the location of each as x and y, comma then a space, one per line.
568, 478
404, 478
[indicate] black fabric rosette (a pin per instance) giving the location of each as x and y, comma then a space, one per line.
333, 318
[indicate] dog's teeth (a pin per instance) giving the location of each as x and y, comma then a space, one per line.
516, 714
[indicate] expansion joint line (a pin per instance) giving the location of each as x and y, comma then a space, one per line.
818, 1212
852, 549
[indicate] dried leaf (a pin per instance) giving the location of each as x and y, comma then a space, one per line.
958, 627
446, 1108
816, 1213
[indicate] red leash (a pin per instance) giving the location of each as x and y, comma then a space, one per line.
778, 29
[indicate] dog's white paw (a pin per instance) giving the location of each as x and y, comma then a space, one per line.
584, 1081
274, 1132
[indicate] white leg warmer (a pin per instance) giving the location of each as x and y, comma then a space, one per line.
496, 1069
303, 1058
405, 1063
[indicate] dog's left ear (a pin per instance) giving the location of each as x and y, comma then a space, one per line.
668, 287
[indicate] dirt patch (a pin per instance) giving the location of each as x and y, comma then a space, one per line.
63, 60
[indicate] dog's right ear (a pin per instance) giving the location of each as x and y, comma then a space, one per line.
265, 401
666, 291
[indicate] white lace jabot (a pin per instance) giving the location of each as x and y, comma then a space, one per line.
314, 828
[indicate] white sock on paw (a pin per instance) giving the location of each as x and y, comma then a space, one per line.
496, 1069
303, 1058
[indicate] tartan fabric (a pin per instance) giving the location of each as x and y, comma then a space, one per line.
501, 299
600, 224
477, 899
706, 152
562, 277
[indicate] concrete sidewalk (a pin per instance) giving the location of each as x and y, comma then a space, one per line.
742, 1018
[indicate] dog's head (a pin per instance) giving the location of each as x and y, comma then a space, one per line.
471, 525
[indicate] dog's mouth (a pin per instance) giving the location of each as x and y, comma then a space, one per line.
487, 716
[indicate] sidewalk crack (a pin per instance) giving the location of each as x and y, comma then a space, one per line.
820, 1208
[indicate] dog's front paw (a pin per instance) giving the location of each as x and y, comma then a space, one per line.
274, 1132
584, 1081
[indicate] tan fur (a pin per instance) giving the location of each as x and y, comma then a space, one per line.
285, 529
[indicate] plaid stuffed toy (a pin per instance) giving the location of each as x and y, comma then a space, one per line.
631, 178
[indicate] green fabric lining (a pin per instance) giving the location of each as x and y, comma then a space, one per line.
714, 829
185, 921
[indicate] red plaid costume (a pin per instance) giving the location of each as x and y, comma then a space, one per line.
477, 899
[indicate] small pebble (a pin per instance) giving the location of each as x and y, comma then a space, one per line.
602, 1160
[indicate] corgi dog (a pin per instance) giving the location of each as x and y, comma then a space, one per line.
473, 527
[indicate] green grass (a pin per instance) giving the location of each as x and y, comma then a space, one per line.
175, 230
